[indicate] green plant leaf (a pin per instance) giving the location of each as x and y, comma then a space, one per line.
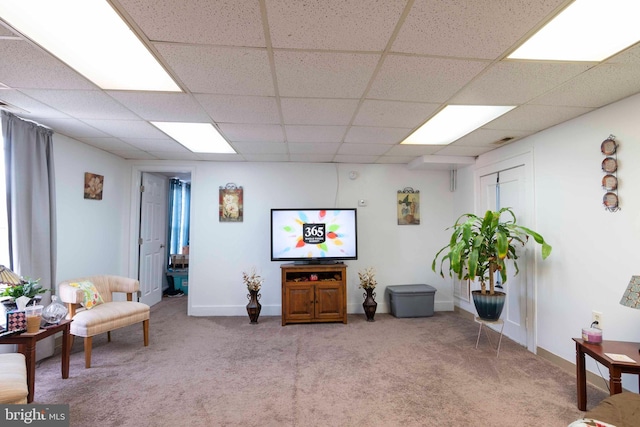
472, 265
502, 244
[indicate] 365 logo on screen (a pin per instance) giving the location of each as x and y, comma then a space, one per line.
313, 234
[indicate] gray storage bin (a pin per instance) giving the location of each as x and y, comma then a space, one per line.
411, 300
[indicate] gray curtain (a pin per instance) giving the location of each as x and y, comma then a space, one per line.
30, 201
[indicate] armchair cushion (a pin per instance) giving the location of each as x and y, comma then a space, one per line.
108, 317
91, 296
13, 378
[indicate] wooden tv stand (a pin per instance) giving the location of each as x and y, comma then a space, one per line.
313, 293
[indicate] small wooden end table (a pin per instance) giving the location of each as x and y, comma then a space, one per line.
27, 346
616, 369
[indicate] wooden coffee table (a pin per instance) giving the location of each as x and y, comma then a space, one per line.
27, 346
616, 369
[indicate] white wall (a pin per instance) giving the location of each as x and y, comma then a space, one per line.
219, 252
92, 234
595, 252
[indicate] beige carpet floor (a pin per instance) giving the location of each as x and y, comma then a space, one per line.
222, 371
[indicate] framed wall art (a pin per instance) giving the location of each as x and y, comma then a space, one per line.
231, 203
408, 206
93, 184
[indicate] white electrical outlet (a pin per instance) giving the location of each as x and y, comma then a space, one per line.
596, 316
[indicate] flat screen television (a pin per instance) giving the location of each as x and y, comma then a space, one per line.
309, 236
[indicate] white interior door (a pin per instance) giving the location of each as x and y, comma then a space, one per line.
153, 237
507, 189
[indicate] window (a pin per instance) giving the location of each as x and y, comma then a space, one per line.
4, 222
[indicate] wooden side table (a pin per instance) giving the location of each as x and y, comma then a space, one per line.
27, 346
616, 369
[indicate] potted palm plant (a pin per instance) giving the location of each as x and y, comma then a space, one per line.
479, 247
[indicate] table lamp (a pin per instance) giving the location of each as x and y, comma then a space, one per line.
8, 277
631, 296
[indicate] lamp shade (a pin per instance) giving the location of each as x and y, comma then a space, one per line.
8, 277
631, 296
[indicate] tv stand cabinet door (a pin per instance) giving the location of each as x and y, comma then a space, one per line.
298, 302
330, 302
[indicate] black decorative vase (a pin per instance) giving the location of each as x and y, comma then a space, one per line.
369, 304
254, 306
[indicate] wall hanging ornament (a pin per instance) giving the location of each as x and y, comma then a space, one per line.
408, 206
231, 203
609, 148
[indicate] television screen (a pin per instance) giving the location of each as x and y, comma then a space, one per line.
313, 235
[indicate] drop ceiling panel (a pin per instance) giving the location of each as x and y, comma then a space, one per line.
484, 137
220, 157
5, 32
364, 149
170, 107
33, 108
240, 109
349, 158
315, 133
220, 22
252, 133
24, 66
598, 87
292, 80
517, 82
324, 148
222, 70
167, 145
470, 29
629, 56
406, 78
395, 160
376, 135
308, 111
83, 104
363, 25
452, 150
134, 155
261, 147
109, 144
535, 117
413, 150
324, 74
393, 113
73, 128
126, 128
266, 157
311, 158
174, 155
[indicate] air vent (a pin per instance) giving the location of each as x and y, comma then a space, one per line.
504, 140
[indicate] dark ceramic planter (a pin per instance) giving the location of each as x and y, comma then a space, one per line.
489, 307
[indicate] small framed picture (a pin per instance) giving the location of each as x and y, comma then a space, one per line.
231, 203
93, 184
408, 206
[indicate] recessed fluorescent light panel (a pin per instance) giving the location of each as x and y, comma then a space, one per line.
454, 122
587, 30
90, 37
197, 137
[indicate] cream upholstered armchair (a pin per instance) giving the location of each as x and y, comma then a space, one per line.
91, 306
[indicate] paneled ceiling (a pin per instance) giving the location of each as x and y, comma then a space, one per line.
319, 80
